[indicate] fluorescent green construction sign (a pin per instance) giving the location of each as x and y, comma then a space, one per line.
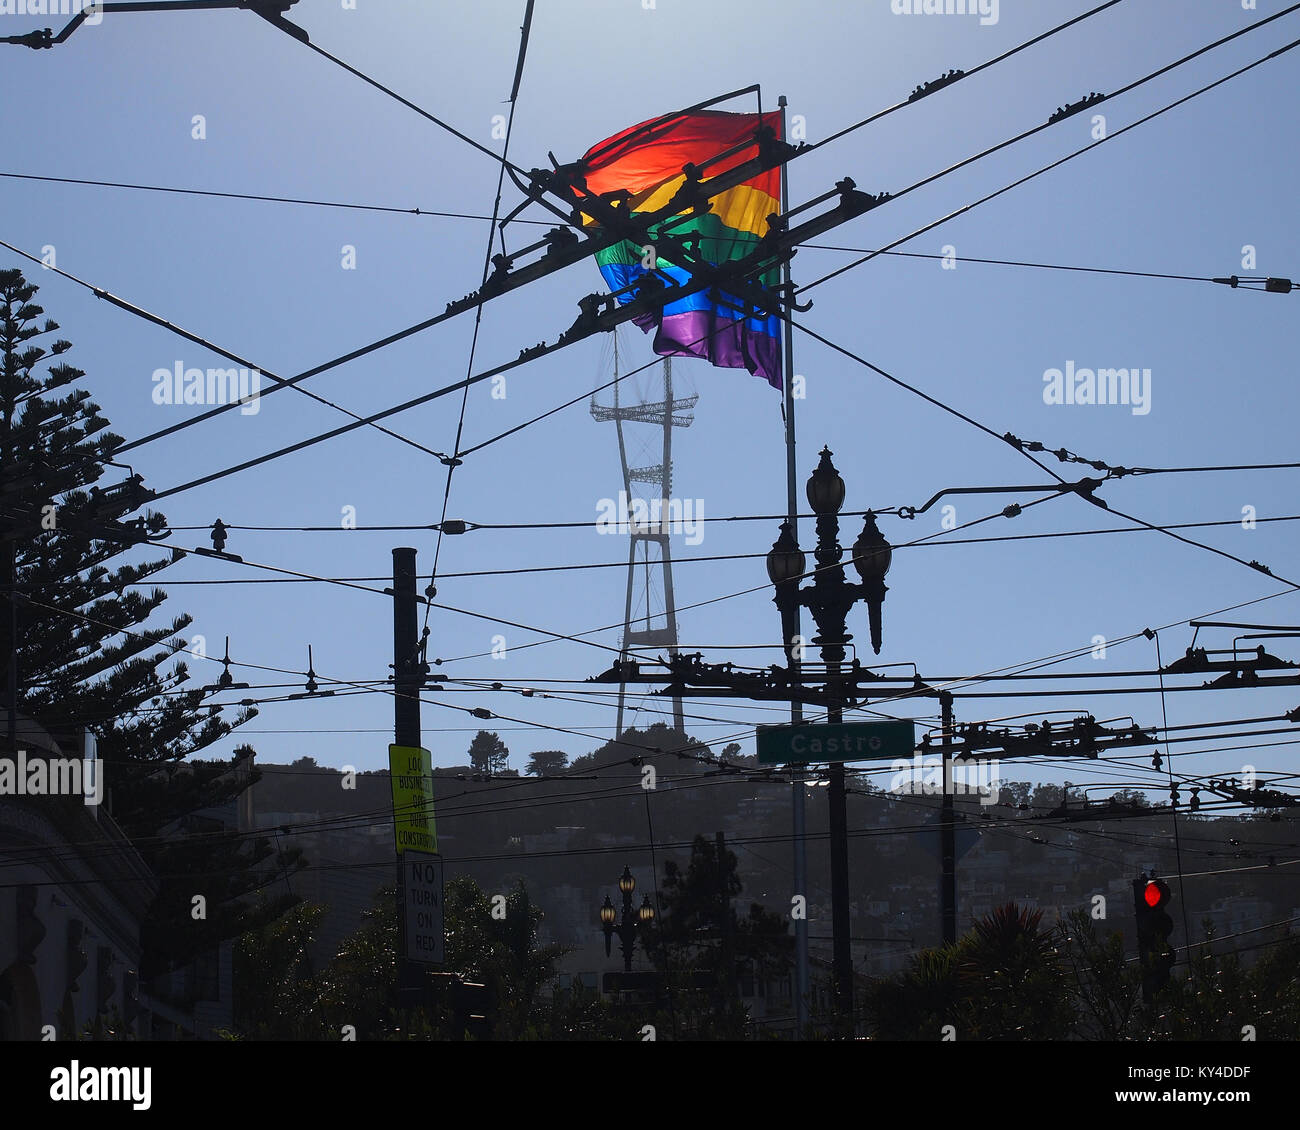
410, 769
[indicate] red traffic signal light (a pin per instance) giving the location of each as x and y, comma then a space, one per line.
1151, 899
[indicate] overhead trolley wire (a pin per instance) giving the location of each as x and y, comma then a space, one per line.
459, 385
455, 460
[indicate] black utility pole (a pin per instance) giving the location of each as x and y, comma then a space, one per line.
841, 926
790, 630
785, 570
407, 683
407, 680
948, 838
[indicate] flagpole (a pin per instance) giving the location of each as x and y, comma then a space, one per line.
796, 708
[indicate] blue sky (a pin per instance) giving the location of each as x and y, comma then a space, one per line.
1182, 194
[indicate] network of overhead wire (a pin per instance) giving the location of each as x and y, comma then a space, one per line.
591, 697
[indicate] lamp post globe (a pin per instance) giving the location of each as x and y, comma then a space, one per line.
785, 560
628, 924
608, 915
872, 554
825, 487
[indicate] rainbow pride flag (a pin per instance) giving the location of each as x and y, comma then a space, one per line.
646, 161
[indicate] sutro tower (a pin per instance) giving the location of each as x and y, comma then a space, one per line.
648, 547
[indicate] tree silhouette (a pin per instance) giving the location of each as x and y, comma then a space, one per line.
85, 657
498, 948
547, 762
699, 938
488, 753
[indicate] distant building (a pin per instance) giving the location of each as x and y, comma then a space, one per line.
1239, 915
73, 893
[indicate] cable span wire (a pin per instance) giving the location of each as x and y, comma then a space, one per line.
506, 715
518, 782
1086, 495
552, 635
292, 382
481, 799
509, 717
268, 199
1023, 263
497, 157
762, 775
982, 200
755, 588
455, 459
559, 345
1015, 829
548, 349
596, 524
528, 569
752, 776
1069, 156
966, 74
459, 215
525, 357
1074, 653
243, 362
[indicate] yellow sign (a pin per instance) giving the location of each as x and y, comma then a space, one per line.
410, 769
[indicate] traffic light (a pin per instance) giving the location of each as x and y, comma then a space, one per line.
472, 1002
469, 1006
1151, 898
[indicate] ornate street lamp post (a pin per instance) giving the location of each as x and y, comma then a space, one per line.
633, 919
829, 598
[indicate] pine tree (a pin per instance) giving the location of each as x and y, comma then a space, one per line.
699, 931
488, 753
547, 762
78, 651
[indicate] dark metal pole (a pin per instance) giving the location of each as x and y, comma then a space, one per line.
948, 842
627, 931
842, 954
832, 638
406, 706
406, 661
796, 708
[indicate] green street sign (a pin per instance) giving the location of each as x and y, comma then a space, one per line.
838, 741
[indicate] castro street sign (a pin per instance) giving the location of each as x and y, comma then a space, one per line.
841, 741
